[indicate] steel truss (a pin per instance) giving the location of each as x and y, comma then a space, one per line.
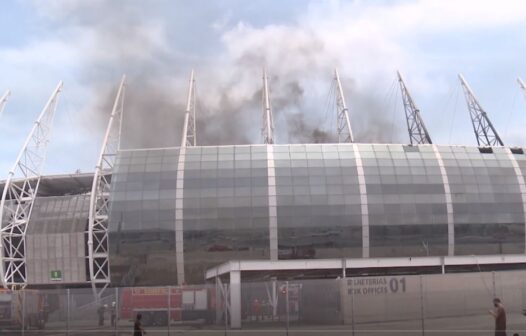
522, 85
344, 122
189, 131
484, 131
18, 197
98, 244
267, 131
415, 124
3, 101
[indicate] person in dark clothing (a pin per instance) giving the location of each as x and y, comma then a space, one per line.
499, 313
113, 313
138, 330
100, 312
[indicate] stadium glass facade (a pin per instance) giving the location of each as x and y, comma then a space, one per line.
308, 202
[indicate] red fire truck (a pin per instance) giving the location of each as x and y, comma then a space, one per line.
19, 308
187, 304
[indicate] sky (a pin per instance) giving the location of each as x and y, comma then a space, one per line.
90, 44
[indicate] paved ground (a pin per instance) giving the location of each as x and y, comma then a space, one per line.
464, 326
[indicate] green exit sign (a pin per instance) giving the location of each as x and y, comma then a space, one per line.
56, 275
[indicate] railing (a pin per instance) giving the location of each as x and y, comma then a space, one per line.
441, 304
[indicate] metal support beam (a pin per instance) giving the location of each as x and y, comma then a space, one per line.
18, 197
415, 124
484, 131
179, 217
267, 131
344, 122
364, 202
3, 101
449, 202
188, 139
189, 131
98, 245
272, 204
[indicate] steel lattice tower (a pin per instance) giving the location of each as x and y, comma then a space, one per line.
189, 132
267, 130
3, 101
522, 85
485, 132
98, 244
418, 133
18, 197
344, 129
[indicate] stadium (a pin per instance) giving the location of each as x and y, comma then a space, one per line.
198, 214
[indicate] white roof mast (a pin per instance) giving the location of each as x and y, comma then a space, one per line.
267, 131
189, 131
344, 129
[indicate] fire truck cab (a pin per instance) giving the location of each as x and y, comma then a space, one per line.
22, 308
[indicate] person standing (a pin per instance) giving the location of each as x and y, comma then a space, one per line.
113, 313
138, 330
499, 313
100, 312
256, 309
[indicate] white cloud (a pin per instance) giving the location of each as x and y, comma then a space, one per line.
368, 42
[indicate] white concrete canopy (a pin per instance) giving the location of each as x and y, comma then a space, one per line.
356, 263
232, 271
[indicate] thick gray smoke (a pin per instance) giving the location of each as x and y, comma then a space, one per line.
290, 108
371, 122
123, 37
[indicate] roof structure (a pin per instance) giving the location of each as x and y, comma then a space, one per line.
62, 184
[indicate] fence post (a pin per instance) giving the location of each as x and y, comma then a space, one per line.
226, 296
422, 306
169, 310
68, 310
352, 304
494, 286
116, 312
287, 304
274, 300
23, 312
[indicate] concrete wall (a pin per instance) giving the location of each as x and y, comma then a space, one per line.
398, 298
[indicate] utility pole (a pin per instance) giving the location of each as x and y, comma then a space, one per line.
485, 132
267, 131
418, 133
344, 129
189, 131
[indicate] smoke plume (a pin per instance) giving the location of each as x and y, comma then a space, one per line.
124, 37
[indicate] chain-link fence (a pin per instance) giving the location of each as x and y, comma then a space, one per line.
438, 304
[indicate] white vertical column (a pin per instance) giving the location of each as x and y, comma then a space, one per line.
272, 204
449, 204
219, 297
522, 186
179, 240
363, 202
235, 299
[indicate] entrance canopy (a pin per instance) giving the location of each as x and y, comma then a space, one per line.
332, 268
230, 276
